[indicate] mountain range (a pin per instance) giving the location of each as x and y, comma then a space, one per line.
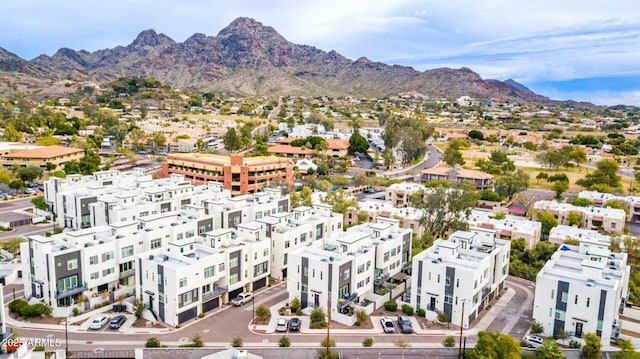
247, 58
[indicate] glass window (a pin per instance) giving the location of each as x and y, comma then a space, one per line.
93, 260
155, 243
183, 282
127, 251
209, 271
72, 264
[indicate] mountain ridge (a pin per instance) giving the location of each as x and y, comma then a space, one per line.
250, 59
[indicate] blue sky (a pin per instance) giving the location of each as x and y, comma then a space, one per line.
574, 49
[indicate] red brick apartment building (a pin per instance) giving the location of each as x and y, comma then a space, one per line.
237, 173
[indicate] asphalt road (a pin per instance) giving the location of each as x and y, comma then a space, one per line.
230, 322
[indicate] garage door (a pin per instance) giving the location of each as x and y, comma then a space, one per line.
187, 314
259, 283
210, 305
234, 293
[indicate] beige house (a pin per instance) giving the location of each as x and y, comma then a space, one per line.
39, 157
398, 193
611, 220
482, 180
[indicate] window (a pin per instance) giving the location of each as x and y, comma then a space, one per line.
286, 244
303, 237
190, 234
95, 275
106, 272
265, 253
126, 266
438, 278
575, 301
127, 251
600, 325
588, 301
67, 283
368, 264
179, 236
447, 281
429, 276
162, 298
393, 252
553, 293
448, 298
202, 229
93, 260
361, 268
458, 283
233, 279
183, 282
347, 274
72, 264
386, 256
565, 297
107, 256
208, 272
286, 257
233, 262
187, 298
155, 243
220, 267
206, 288
260, 269
360, 284
560, 314
550, 312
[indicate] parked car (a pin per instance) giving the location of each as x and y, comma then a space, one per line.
117, 321
294, 324
387, 325
282, 325
99, 322
404, 324
30, 191
242, 299
533, 340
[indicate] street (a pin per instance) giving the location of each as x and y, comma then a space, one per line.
22, 231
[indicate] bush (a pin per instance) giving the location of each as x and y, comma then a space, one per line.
201, 315
284, 342
367, 342
295, 305
421, 312
407, 309
443, 317
402, 343
299, 312
390, 306
153, 343
323, 343
329, 355
536, 328
237, 342
262, 311
197, 341
75, 311
574, 344
25, 309
449, 341
317, 315
361, 316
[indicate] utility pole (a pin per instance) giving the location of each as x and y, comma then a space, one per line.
461, 323
328, 323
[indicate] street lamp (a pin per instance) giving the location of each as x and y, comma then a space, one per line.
461, 327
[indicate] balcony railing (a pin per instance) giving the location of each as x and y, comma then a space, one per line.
346, 300
71, 291
127, 273
214, 293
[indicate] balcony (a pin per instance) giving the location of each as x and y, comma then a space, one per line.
71, 291
214, 293
127, 273
347, 300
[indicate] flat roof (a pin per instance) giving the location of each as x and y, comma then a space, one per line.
44, 152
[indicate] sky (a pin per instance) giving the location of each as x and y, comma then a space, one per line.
583, 50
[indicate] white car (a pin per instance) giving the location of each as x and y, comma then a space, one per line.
242, 299
99, 322
387, 325
282, 325
533, 341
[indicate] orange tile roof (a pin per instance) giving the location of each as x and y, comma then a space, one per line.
334, 144
45, 152
287, 149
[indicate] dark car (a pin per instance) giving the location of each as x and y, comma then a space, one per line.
294, 324
117, 321
405, 324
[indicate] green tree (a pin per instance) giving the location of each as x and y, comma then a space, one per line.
196, 341
449, 341
452, 157
40, 203
541, 176
497, 345
626, 350
157, 141
549, 350
559, 188
548, 221
341, 201
5, 176
605, 175
317, 315
536, 327
577, 155
447, 209
29, 173
574, 219
138, 307
12, 245
357, 143
476, 135
581, 202
231, 140
295, 305
153, 343
10, 133
90, 163
262, 312
284, 342
592, 348
512, 183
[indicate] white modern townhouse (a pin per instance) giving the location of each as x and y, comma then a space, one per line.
231, 211
301, 227
461, 275
599, 199
582, 289
341, 272
97, 264
409, 217
509, 227
196, 275
612, 220
107, 197
561, 233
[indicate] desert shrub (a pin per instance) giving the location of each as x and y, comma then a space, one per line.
295, 305
421, 312
237, 342
153, 343
391, 305
323, 343
367, 342
449, 341
407, 309
317, 315
284, 342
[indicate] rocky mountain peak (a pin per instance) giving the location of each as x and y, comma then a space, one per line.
151, 38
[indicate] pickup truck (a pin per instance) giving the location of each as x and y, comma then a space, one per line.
242, 298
